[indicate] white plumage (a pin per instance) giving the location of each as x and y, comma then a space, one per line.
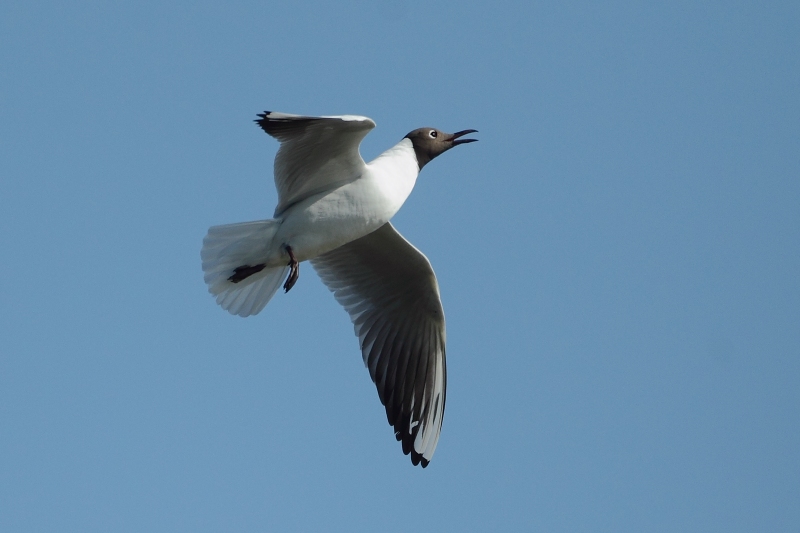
334, 210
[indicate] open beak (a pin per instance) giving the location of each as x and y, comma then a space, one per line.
456, 140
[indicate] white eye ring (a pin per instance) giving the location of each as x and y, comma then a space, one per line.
432, 134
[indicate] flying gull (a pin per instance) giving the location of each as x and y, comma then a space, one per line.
334, 211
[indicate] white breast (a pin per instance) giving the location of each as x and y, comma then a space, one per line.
332, 218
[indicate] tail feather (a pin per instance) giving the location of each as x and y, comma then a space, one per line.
228, 247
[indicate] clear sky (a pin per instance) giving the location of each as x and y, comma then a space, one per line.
619, 262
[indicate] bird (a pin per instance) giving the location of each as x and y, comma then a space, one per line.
334, 210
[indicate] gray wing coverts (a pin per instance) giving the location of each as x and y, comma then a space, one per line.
390, 291
313, 149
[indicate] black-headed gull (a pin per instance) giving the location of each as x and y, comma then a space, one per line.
334, 210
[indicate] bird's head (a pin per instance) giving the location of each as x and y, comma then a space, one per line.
430, 142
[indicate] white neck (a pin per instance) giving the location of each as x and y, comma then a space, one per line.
396, 171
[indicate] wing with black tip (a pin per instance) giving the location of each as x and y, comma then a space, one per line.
316, 153
390, 291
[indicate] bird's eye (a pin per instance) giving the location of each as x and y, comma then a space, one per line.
432, 134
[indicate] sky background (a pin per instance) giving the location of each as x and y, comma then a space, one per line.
618, 257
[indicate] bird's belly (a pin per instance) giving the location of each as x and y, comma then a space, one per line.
326, 221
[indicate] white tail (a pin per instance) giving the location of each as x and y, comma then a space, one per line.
228, 247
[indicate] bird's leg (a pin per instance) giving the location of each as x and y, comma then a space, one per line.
294, 271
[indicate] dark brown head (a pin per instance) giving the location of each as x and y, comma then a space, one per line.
430, 142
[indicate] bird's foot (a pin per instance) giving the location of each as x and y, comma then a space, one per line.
244, 272
294, 271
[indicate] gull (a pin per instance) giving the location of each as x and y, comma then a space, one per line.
334, 211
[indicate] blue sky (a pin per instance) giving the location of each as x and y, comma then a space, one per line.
618, 259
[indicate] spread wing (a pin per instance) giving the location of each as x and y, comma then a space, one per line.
316, 153
389, 289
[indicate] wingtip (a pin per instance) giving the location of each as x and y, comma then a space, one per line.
408, 449
417, 459
263, 120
